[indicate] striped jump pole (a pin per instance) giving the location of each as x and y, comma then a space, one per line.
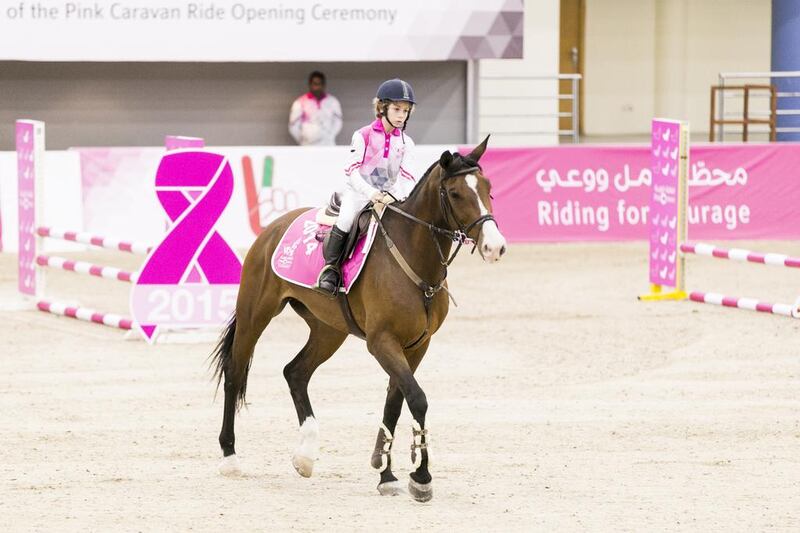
82, 267
94, 240
30, 147
739, 254
669, 225
30, 151
748, 256
750, 304
84, 313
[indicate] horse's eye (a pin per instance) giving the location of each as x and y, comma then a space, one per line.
454, 193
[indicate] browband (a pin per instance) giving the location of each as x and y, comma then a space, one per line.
462, 172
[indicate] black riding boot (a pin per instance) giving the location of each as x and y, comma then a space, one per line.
332, 251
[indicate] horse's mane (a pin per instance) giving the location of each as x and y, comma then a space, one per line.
459, 162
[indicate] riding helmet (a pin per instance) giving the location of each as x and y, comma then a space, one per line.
396, 90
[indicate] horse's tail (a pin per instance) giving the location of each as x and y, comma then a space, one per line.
225, 366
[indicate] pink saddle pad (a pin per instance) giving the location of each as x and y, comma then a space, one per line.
298, 257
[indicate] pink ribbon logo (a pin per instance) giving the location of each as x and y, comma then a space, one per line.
192, 277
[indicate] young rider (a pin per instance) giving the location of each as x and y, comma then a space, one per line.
377, 171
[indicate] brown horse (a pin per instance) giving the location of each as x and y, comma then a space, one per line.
397, 304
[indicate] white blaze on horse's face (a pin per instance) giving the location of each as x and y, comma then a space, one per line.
491, 243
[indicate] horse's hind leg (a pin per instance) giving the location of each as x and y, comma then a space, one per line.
233, 357
323, 341
382, 454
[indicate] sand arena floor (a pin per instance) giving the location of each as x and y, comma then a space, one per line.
557, 403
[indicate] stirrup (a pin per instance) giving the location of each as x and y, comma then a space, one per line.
335, 292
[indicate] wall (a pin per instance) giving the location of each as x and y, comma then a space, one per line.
619, 82
643, 58
520, 97
648, 58
719, 41
136, 104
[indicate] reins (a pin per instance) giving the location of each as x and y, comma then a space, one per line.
458, 236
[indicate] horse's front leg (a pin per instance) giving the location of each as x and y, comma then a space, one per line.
382, 454
389, 353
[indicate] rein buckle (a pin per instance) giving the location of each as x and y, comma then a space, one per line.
461, 237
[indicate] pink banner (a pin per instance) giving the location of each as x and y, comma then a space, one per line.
664, 202
602, 193
27, 161
194, 188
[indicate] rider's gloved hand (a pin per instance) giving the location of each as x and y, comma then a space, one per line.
381, 197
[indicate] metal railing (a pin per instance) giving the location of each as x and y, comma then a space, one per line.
573, 96
747, 120
760, 76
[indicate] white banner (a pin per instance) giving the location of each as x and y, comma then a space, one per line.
117, 187
259, 30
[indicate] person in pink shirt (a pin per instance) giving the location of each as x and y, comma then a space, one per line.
376, 171
316, 116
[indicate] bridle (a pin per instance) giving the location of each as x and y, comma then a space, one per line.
459, 236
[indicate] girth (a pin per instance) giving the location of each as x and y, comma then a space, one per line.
428, 291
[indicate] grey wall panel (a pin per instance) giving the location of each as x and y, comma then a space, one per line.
136, 104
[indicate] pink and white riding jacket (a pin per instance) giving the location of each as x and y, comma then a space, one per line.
379, 161
315, 122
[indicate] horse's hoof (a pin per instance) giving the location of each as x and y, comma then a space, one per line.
230, 467
303, 465
390, 488
420, 492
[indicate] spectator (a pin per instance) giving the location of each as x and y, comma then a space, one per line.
316, 117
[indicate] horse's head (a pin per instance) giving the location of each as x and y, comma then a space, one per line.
467, 202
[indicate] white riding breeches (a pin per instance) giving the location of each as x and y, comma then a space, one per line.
351, 203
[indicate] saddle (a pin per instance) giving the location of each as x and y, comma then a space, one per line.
326, 219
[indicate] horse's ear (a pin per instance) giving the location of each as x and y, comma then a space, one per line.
445, 159
476, 154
